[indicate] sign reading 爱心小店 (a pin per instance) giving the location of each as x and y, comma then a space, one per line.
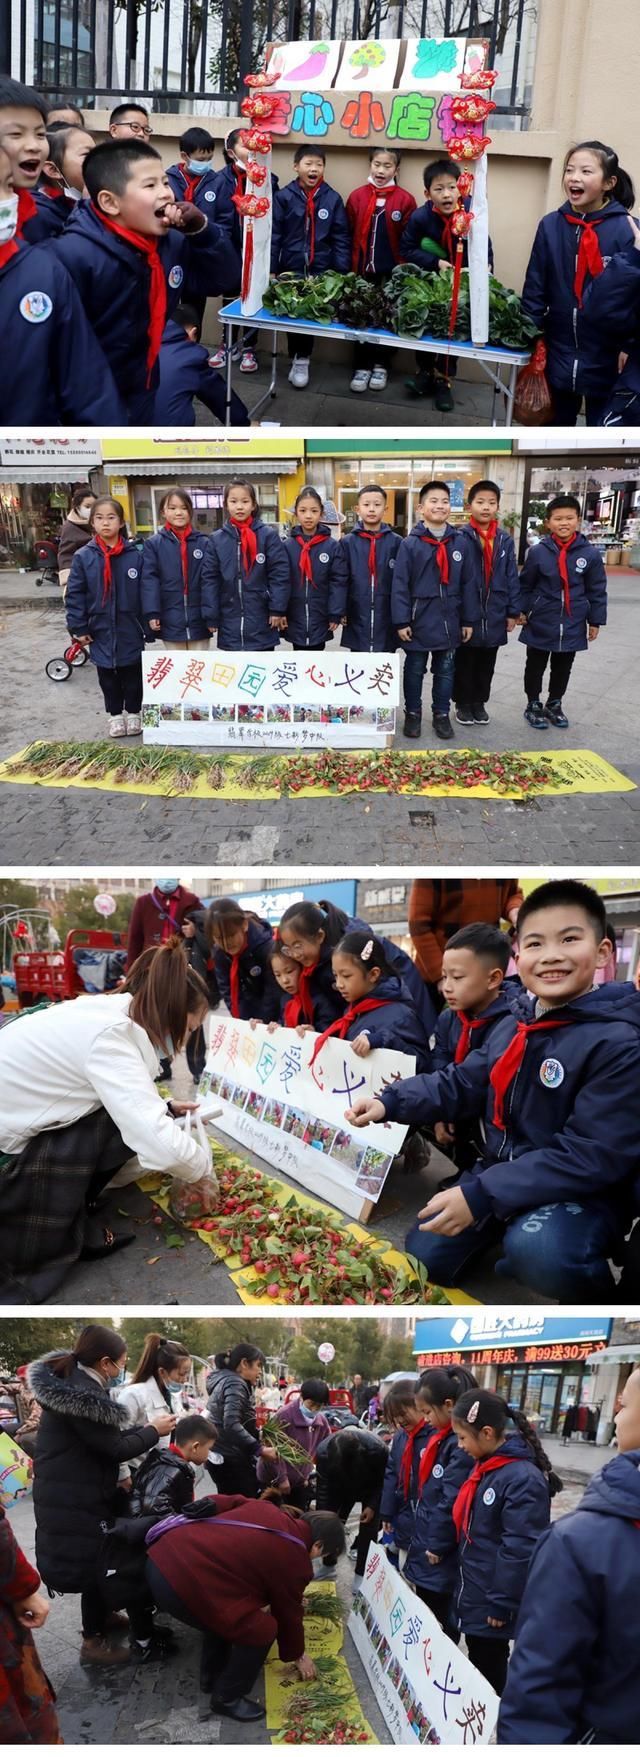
425, 1687
390, 92
286, 1101
281, 699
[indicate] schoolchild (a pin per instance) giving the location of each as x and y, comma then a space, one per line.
573, 247
53, 368
23, 136
428, 242
193, 177
474, 965
230, 181
372, 548
377, 211
411, 1434
379, 1011
61, 185
104, 612
70, 114
186, 371
563, 596
310, 932
245, 576
431, 607
310, 234
171, 574
165, 1481
130, 250
129, 121
495, 593
287, 974
559, 1085
319, 567
573, 1673
241, 946
500, 1510
432, 1562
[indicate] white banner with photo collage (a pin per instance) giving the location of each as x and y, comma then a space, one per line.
301, 701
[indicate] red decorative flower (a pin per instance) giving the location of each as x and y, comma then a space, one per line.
252, 207
469, 147
257, 173
467, 107
256, 140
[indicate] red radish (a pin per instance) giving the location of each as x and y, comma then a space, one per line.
273, 1289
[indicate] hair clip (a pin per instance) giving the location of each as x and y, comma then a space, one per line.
472, 1413
366, 951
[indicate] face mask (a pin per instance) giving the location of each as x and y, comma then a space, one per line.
309, 1414
173, 1387
167, 886
119, 1379
8, 218
84, 513
197, 167
71, 193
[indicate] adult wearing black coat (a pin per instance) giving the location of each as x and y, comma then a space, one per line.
83, 1438
232, 1409
350, 1468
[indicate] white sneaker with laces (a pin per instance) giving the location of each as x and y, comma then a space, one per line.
378, 378
299, 374
219, 359
248, 362
360, 380
133, 725
117, 728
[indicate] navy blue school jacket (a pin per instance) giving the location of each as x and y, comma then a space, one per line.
449, 1028
583, 342
204, 194
493, 604
434, 1527
323, 599
162, 594
53, 368
51, 217
185, 373
571, 1113
369, 626
259, 992
426, 222
237, 604
511, 1508
291, 247
548, 624
113, 280
395, 1508
328, 1004
396, 1025
115, 625
574, 1667
436, 612
227, 215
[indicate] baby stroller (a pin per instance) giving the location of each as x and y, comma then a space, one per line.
46, 553
73, 657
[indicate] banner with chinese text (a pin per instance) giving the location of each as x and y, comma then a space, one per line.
290, 1109
301, 700
383, 92
425, 1687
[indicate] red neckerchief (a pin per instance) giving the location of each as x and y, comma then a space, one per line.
304, 990
27, 210
463, 1044
442, 558
168, 907
564, 571
372, 537
157, 286
487, 535
304, 558
430, 1454
7, 251
248, 542
190, 183
365, 222
234, 981
53, 190
340, 1027
108, 553
450, 243
181, 537
293, 1011
509, 1063
240, 176
406, 1460
589, 261
310, 222
461, 1510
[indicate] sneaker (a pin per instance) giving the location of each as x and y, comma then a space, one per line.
219, 359
535, 714
299, 374
554, 713
159, 1646
378, 379
361, 380
248, 362
444, 397
237, 352
133, 725
465, 716
94, 1650
117, 728
442, 726
479, 714
412, 725
423, 385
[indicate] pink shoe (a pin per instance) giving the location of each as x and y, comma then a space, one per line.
248, 362
219, 359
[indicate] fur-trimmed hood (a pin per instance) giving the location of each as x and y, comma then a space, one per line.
77, 1397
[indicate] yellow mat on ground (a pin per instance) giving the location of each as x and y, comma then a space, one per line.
414, 773
323, 1640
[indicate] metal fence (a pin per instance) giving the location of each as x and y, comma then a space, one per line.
174, 51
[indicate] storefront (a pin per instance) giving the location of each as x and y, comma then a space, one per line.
608, 488
138, 472
271, 905
385, 904
37, 480
340, 470
539, 1365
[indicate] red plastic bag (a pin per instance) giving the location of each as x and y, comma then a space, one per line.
533, 406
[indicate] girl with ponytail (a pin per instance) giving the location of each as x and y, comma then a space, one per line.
77, 1099
311, 932
241, 946
432, 1562
501, 1509
400, 1488
158, 1382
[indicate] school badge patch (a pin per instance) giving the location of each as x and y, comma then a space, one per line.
552, 1072
36, 307
176, 275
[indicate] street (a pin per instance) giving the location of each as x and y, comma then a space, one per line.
53, 826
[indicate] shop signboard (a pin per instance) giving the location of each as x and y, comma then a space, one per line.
377, 93
427, 1689
272, 1096
271, 905
69, 451
282, 699
501, 1338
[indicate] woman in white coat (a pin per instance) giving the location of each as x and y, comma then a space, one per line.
158, 1383
77, 1099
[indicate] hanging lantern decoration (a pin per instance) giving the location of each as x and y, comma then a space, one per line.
251, 207
461, 223
481, 81
256, 173
259, 108
466, 107
256, 140
469, 146
263, 110
261, 81
466, 181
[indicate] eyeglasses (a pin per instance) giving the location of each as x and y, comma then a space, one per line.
136, 128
